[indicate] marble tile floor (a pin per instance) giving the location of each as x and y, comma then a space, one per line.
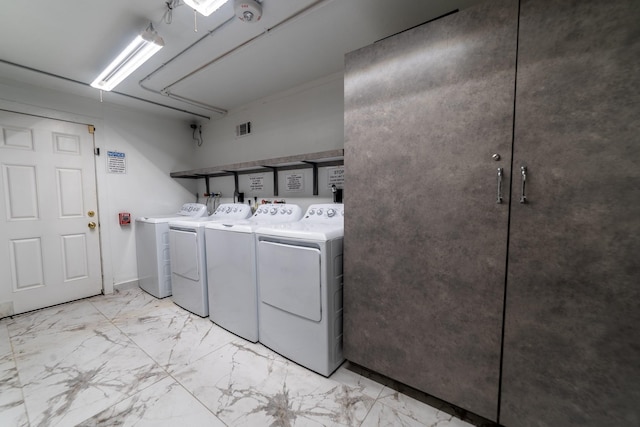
131, 359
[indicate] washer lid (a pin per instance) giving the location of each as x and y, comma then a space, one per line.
161, 219
188, 210
243, 226
302, 230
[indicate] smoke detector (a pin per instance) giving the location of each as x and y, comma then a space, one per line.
247, 10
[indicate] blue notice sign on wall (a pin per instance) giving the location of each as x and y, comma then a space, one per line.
116, 162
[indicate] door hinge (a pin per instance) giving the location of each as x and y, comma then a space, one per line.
92, 129
96, 151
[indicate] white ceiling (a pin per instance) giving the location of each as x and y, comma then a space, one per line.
295, 42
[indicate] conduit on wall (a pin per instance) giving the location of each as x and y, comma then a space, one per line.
67, 79
166, 91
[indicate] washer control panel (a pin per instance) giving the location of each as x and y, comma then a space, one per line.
193, 209
232, 210
284, 212
325, 212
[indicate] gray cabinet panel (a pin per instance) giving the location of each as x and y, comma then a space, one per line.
425, 267
572, 332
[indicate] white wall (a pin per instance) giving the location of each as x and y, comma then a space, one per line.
304, 119
154, 146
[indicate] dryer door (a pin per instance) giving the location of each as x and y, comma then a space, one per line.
289, 278
185, 261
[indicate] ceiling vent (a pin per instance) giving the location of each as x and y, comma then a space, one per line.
247, 10
243, 129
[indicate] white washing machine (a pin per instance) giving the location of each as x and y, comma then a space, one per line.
152, 248
300, 288
188, 259
231, 268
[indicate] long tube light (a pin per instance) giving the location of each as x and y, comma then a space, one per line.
205, 7
143, 47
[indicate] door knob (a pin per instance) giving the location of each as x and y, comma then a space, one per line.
92, 225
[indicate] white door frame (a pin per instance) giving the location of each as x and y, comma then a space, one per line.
105, 228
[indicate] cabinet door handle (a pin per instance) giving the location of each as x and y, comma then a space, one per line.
523, 173
499, 186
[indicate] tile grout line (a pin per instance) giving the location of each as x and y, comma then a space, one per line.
165, 369
138, 347
15, 364
138, 307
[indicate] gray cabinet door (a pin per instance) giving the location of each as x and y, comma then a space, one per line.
572, 332
425, 241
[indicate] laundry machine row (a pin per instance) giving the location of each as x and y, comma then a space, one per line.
275, 277
152, 248
188, 257
231, 268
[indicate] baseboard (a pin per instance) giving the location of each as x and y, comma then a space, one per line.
125, 285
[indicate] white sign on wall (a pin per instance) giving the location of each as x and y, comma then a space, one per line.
256, 183
116, 162
295, 183
335, 176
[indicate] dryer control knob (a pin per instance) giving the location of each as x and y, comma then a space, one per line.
331, 212
228, 209
290, 211
283, 211
319, 211
235, 209
312, 212
274, 211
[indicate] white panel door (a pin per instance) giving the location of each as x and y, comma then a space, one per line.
48, 253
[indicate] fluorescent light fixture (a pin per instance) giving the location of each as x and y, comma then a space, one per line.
137, 53
205, 7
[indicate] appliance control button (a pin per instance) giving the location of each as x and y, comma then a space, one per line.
274, 211
331, 212
289, 211
283, 211
312, 212
319, 211
228, 209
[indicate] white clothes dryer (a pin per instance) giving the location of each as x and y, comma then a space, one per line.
188, 259
152, 248
300, 288
231, 268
